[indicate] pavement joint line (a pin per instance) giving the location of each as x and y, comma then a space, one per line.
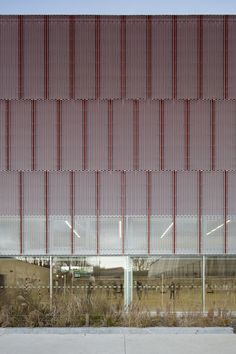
124, 343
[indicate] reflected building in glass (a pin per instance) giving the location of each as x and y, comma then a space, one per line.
118, 160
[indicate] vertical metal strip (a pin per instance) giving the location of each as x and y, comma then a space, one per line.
46, 187
84, 114
110, 135
149, 186
226, 44
123, 207
8, 135
174, 57
135, 135
212, 135
161, 135
72, 56
58, 135
123, 56
225, 209
21, 211
149, 56
97, 175
174, 178
187, 135
20, 56
46, 55
97, 56
33, 118
72, 209
199, 212
200, 56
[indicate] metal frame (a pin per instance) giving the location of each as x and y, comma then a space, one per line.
123, 56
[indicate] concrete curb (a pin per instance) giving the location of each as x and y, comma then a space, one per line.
118, 330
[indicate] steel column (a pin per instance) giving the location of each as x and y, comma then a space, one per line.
187, 135
128, 283
226, 45
97, 56
33, 135
123, 207
123, 56
50, 280
46, 187
72, 56
8, 135
161, 135
225, 209
97, 176
174, 178
199, 212
46, 56
110, 135
149, 194
135, 135
203, 284
84, 114
174, 57
212, 135
200, 56
21, 210
72, 202
58, 135
20, 56
149, 56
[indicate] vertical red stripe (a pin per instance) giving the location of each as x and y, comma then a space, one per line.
149, 56
174, 178
199, 212
97, 208
174, 56
8, 135
72, 56
200, 56
123, 56
21, 210
161, 134
46, 52
97, 56
20, 56
58, 135
46, 187
72, 209
123, 207
33, 116
136, 134
225, 209
212, 135
225, 57
149, 186
110, 135
84, 114
187, 135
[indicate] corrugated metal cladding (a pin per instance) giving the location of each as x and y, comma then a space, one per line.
117, 135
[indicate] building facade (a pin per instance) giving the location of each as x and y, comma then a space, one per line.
118, 149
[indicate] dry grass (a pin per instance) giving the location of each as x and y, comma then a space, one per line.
97, 311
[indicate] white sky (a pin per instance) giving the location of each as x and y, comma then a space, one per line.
117, 7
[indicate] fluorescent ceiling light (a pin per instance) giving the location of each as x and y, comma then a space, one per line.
69, 225
168, 228
218, 227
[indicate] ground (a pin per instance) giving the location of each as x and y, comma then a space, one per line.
117, 343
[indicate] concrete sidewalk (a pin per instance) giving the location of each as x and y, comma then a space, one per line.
128, 343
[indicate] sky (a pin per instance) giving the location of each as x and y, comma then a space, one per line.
116, 7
